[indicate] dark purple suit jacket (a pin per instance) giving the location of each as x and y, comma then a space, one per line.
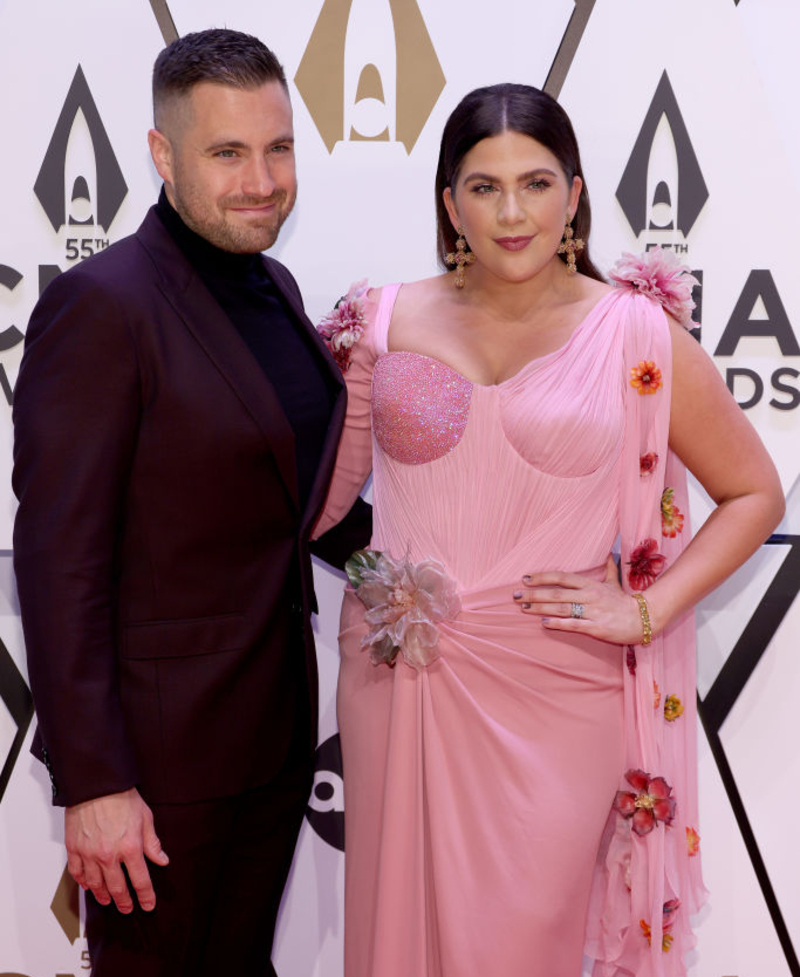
161, 556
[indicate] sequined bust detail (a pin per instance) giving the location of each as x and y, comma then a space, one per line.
420, 407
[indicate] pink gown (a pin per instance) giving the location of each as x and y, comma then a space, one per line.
480, 835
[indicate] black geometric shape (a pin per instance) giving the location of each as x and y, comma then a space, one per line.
17, 698
49, 186
715, 708
80, 189
662, 195
568, 48
692, 190
324, 813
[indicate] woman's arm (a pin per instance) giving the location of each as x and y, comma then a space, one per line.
719, 446
354, 458
711, 435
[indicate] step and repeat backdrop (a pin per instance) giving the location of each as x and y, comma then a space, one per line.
686, 114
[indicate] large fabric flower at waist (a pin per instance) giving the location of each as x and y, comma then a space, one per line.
405, 602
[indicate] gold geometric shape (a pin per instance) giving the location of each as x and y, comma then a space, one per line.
66, 906
370, 84
420, 79
320, 75
355, 136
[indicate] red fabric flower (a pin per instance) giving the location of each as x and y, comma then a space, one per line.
651, 803
630, 659
647, 463
646, 377
645, 564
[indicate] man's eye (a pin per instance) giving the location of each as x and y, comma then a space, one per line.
227, 153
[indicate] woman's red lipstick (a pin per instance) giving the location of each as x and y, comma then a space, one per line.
513, 243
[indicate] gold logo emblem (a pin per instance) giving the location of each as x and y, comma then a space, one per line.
66, 906
370, 72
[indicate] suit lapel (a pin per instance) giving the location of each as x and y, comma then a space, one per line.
212, 329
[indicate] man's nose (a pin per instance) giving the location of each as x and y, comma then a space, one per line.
257, 178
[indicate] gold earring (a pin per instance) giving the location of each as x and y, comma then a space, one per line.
570, 246
460, 257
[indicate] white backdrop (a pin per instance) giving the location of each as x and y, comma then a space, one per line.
701, 96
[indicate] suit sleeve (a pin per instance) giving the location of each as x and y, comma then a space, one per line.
76, 411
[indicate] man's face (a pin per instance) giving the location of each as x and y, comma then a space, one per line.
226, 156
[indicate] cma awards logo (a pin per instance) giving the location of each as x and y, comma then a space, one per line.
370, 72
80, 187
662, 190
325, 811
78, 159
662, 193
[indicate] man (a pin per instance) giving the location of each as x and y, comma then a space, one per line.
176, 421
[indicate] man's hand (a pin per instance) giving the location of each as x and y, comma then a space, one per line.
106, 833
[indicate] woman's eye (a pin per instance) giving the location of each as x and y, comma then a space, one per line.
538, 185
483, 188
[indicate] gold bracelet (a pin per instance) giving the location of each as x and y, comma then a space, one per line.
647, 631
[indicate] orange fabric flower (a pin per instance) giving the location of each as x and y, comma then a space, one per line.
673, 707
656, 695
692, 842
646, 377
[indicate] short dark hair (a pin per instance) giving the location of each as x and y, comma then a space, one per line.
490, 111
218, 55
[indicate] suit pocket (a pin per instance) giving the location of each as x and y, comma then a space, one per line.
181, 638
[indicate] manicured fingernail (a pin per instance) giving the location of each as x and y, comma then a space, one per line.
526, 607
517, 594
545, 620
526, 578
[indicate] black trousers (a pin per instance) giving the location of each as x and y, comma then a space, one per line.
218, 899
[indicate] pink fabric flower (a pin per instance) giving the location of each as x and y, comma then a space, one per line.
645, 564
344, 325
659, 274
651, 803
404, 602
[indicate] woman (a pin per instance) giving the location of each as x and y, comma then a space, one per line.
517, 726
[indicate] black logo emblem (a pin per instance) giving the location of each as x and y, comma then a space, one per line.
50, 183
325, 811
676, 198
17, 698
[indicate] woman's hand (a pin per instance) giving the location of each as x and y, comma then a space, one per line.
570, 602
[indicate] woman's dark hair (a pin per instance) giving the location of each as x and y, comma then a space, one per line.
490, 111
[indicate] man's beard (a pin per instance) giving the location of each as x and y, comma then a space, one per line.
211, 223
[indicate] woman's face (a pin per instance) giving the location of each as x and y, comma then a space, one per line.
512, 200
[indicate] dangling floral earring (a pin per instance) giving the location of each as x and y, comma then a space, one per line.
460, 257
570, 246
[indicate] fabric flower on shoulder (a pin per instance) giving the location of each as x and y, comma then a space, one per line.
659, 274
344, 325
